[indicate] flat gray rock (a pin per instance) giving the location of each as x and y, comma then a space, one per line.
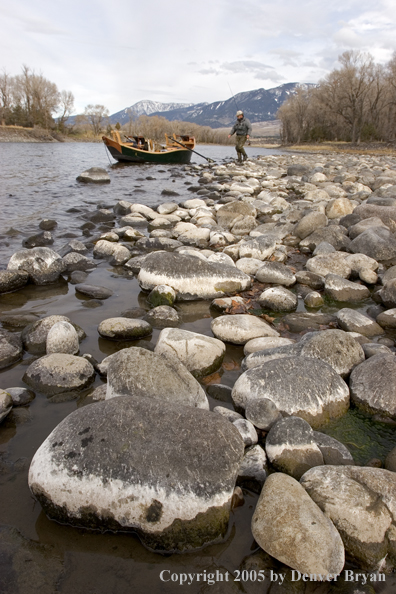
240, 328
340, 289
74, 261
59, 373
139, 372
261, 248
202, 355
351, 320
283, 511
335, 235
360, 502
190, 277
299, 386
107, 466
329, 264
276, 273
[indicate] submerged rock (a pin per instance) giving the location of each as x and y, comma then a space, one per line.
240, 328
289, 526
170, 474
94, 175
191, 277
124, 329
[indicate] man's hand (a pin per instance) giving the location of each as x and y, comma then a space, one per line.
247, 136
229, 136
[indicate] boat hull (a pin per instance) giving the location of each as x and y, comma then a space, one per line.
121, 152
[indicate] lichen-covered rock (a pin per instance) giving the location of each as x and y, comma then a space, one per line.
139, 372
163, 316
289, 526
43, 265
240, 328
133, 464
334, 263
201, 354
10, 348
372, 385
74, 261
191, 277
335, 347
162, 295
62, 338
299, 386
59, 373
360, 501
124, 329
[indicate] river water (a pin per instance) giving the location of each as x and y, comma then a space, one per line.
36, 554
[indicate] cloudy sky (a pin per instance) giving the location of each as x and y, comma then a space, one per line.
117, 52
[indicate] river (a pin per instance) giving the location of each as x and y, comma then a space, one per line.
39, 181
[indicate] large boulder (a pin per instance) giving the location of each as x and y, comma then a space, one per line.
135, 464
299, 386
59, 373
42, 264
289, 526
139, 372
201, 354
240, 328
361, 504
372, 385
191, 277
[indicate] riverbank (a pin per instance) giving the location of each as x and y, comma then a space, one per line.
364, 148
20, 134
278, 315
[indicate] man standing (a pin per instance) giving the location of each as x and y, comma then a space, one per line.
243, 129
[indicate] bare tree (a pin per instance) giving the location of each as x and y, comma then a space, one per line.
66, 105
5, 95
95, 116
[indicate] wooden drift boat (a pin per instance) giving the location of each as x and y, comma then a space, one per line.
137, 149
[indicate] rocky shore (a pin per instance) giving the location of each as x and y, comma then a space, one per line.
273, 246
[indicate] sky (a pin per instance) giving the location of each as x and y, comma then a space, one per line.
118, 52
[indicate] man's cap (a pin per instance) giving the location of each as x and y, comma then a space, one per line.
239, 112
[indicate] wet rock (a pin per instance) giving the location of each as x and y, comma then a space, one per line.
291, 447
313, 300
360, 503
94, 175
16, 321
34, 336
335, 347
261, 248
12, 280
169, 379
278, 299
387, 319
313, 280
5, 404
240, 328
252, 471
388, 294
174, 507
284, 510
259, 344
300, 321
48, 224
124, 329
59, 373
274, 272
299, 386
43, 265
78, 277
62, 338
372, 385
333, 451
74, 261
262, 412
191, 277
38, 240
390, 460
93, 291
10, 348
351, 320
340, 289
325, 264
247, 431
219, 392
21, 396
162, 295
162, 316
202, 355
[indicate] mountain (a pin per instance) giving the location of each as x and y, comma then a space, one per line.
145, 107
259, 105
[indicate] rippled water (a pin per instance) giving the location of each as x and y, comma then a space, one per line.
38, 181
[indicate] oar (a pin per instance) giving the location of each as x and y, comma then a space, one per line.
189, 149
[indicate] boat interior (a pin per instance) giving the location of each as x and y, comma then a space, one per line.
144, 144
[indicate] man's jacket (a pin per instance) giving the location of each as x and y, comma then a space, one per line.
242, 127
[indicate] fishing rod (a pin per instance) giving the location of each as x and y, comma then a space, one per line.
190, 149
232, 95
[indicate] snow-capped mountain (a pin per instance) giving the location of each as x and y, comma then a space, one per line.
145, 107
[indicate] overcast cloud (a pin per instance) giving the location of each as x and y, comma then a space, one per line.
117, 53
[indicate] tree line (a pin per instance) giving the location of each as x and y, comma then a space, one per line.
353, 103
